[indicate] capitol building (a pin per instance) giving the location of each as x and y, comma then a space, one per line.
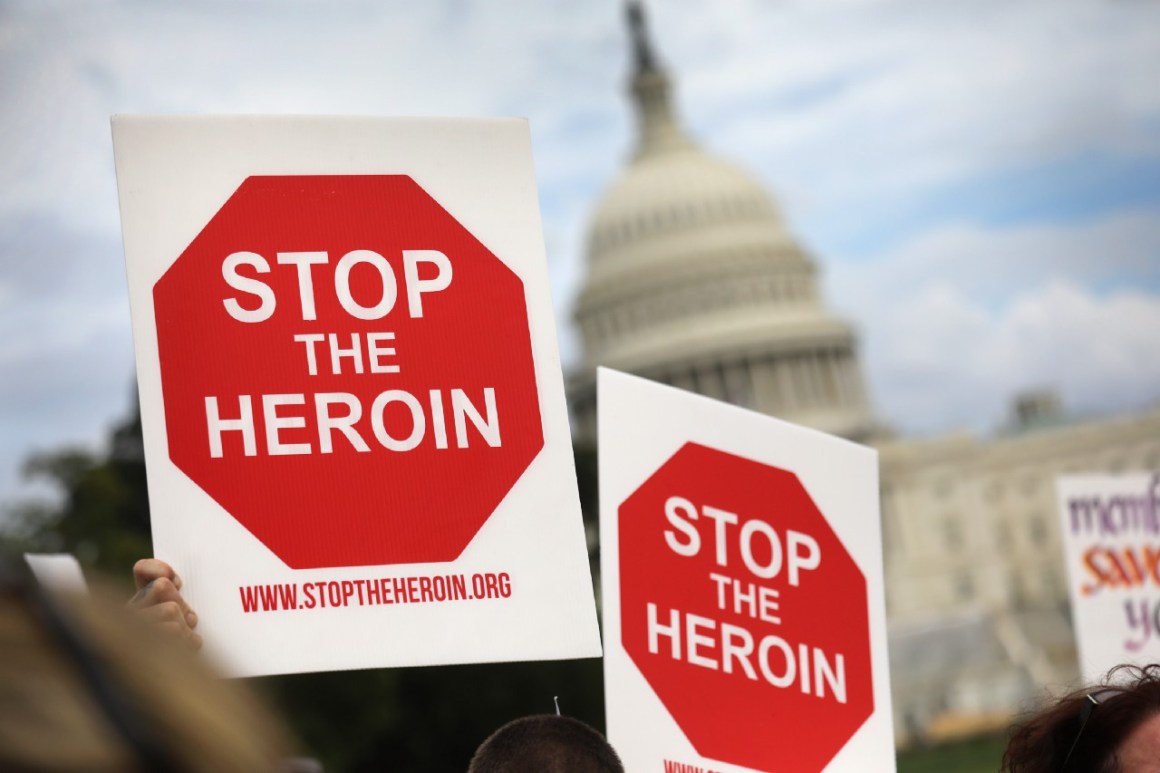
694, 280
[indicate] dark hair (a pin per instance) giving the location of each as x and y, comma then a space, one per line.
1041, 743
545, 743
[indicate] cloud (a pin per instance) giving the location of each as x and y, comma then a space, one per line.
994, 265
1101, 352
961, 319
888, 102
66, 360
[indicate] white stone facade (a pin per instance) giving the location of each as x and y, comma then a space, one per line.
973, 524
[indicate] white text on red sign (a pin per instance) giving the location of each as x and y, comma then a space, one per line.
334, 415
718, 645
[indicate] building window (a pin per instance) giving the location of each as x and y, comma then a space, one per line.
964, 587
793, 365
1051, 584
709, 382
1004, 536
1018, 592
952, 534
993, 492
1037, 528
828, 362
738, 384
890, 544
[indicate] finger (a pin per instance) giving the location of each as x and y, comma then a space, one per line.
172, 628
162, 592
170, 617
147, 570
165, 613
178, 630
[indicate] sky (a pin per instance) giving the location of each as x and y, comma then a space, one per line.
979, 180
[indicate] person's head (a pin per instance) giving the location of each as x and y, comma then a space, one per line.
86, 685
1107, 729
545, 743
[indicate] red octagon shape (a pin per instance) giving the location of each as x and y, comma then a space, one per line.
780, 710
402, 462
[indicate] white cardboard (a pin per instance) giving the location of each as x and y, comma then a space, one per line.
641, 425
1111, 545
59, 572
173, 174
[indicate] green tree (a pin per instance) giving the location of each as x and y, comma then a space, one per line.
102, 514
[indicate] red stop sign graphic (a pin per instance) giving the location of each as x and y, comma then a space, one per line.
347, 370
744, 612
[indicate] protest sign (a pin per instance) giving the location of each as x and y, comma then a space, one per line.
741, 574
1111, 545
57, 571
353, 411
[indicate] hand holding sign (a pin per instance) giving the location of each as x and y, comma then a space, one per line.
159, 599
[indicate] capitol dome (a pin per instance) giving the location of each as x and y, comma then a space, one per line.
693, 280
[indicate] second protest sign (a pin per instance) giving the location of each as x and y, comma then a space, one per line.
741, 573
1111, 545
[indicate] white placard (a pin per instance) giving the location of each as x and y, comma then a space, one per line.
1111, 545
741, 575
353, 409
57, 571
